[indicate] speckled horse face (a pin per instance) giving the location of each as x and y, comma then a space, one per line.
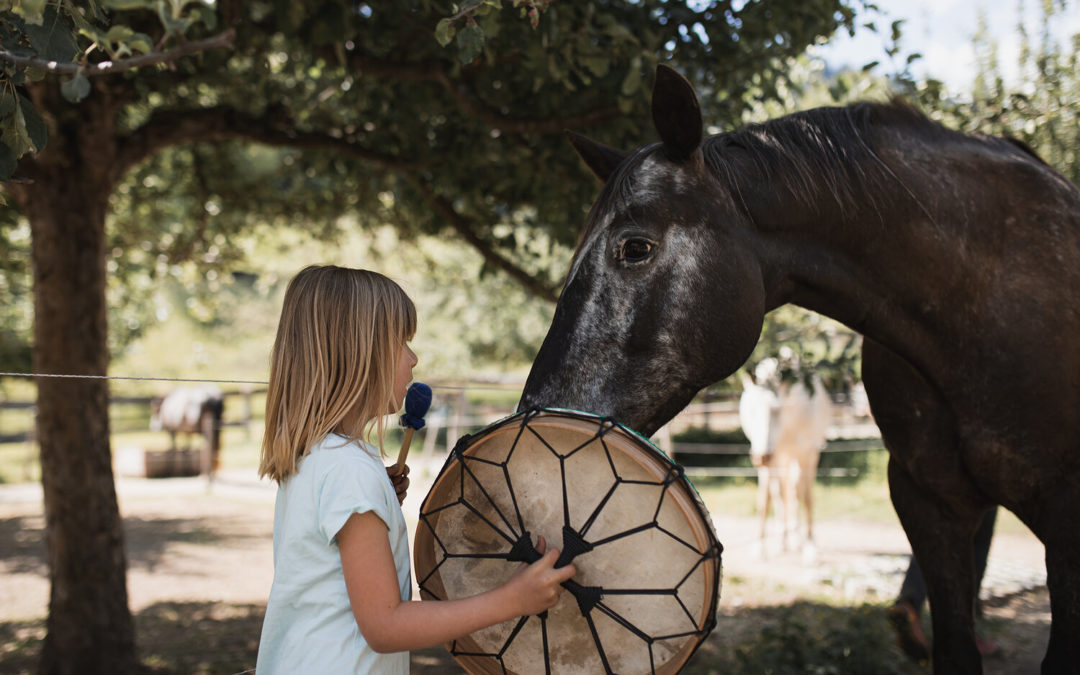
646, 312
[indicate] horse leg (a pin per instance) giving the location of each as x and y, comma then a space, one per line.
1063, 581
938, 505
807, 476
764, 503
934, 531
789, 500
1056, 506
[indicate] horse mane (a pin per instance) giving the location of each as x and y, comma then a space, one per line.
828, 149
832, 150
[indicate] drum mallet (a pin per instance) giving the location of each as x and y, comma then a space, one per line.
417, 402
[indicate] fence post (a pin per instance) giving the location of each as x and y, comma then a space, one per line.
457, 419
663, 439
32, 453
247, 412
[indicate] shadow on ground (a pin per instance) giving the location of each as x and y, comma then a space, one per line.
215, 638
222, 639
146, 540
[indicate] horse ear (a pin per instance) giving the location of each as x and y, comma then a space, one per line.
601, 159
676, 114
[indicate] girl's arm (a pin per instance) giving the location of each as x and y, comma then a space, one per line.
391, 625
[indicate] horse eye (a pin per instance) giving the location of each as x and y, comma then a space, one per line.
636, 250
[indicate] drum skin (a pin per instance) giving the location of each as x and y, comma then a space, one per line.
648, 561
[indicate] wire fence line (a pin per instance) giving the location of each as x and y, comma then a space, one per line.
456, 411
490, 385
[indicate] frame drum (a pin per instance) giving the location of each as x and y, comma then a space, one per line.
647, 557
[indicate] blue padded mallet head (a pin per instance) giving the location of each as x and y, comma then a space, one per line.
417, 402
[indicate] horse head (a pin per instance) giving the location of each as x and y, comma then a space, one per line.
759, 411
647, 317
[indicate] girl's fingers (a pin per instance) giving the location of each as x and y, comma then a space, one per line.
565, 572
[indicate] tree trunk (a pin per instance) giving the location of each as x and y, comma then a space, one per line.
90, 628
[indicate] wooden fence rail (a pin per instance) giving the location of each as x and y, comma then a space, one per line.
121, 424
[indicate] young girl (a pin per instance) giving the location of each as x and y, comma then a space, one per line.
340, 601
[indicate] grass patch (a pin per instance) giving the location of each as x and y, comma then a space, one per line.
803, 637
865, 499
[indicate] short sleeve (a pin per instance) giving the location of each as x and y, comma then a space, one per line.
347, 488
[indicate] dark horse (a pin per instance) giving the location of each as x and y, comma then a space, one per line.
957, 258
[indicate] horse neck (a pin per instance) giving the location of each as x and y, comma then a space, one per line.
917, 263
878, 262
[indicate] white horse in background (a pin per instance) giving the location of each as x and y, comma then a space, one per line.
785, 420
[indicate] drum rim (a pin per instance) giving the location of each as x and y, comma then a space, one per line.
704, 531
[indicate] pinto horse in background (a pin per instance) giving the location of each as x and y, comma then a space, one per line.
785, 414
192, 410
958, 259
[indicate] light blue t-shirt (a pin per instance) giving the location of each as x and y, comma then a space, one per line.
309, 625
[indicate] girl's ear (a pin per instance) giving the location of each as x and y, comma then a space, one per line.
676, 114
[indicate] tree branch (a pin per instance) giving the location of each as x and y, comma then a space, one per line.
181, 127
220, 41
470, 104
462, 226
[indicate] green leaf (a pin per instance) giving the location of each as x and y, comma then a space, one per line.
14, 134
8, 162
141, 42
53, 39
599, 65
7, 104
75, 89
119, 33
35, 73
632, 82
444, 32
130, 4
35, 126
32, 11
470, 42
206, 15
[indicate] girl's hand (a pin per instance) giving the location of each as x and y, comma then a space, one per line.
536, 588
400, 480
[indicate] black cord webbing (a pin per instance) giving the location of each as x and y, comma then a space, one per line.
511, 528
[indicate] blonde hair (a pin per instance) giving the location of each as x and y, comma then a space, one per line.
335, 355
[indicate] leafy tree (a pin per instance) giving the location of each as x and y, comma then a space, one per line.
1038, 109
147, 117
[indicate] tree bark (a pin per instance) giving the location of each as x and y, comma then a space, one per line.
90, 628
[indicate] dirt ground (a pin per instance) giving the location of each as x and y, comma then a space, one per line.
201, 560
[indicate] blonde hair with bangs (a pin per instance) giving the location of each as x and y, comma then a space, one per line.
334, 358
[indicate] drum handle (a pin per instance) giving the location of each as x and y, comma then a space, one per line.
587, 596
